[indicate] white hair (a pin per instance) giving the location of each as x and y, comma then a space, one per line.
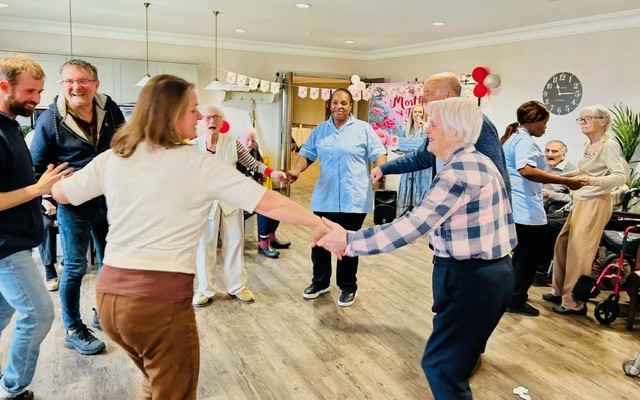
460, 115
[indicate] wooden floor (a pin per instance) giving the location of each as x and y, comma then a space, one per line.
285, 347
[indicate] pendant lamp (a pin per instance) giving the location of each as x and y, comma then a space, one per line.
70, 32
146, 76
215, 83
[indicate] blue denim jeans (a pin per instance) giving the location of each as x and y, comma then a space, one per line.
77, 224
22, 289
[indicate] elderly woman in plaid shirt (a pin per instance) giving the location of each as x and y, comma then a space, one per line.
468, 217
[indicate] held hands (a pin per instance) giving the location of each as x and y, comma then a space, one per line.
280, 176
51, 176
577, 182
335, 240
292, 176
376, 174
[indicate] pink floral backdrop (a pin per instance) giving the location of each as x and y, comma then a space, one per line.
389, 109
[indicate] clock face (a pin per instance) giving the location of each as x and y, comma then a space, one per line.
562, 93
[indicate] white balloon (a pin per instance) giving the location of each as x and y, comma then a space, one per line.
492, 81
355, 79
351, 89
361, 85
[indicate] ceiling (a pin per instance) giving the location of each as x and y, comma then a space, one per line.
374, 25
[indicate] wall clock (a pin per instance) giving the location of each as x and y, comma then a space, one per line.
562, 93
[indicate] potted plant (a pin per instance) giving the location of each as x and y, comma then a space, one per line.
626, 126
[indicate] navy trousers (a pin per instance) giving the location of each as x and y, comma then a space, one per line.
469, 298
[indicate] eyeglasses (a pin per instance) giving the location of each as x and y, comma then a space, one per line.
213, 117
586, 119
80, 82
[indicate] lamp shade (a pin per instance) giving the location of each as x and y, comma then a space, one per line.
143, 81
215, 85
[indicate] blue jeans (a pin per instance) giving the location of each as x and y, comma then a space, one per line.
22, 289
77, 224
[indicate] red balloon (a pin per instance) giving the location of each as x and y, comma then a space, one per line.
480, 90
225, 127
479, 73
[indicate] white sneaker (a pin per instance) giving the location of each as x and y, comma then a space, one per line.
52, 284
244, 295
200, 300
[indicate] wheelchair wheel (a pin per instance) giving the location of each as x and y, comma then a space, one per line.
607, 311
629, 368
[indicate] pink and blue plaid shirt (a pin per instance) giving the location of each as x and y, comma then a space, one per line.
466, 213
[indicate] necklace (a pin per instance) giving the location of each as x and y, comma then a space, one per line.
592, 149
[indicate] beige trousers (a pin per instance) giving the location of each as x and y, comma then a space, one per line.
577, 245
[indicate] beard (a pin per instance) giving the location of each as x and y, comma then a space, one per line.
23, 108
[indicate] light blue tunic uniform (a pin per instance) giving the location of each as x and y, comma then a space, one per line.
526, 196
344, 184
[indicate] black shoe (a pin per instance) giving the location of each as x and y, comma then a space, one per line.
347, 298
552, 298
568, 311
523, 309
95, 322
268, 252
313, 291
26, 395
277, 244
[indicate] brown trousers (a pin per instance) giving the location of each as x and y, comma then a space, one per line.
162, 340
577, 245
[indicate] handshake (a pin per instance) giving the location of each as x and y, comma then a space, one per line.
285, 178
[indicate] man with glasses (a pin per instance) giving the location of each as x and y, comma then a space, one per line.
76, 127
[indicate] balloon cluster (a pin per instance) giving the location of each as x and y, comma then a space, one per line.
486, 81
356, 84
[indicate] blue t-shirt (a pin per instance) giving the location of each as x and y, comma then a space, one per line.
526, 196
344, 184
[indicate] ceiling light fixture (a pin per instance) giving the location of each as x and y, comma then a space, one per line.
3, 5
349, 41
438, 23
215, 83
240, 30
303, 5
143, 81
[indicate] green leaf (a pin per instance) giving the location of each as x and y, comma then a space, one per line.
626, 125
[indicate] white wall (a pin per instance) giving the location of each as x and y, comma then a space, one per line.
605, 62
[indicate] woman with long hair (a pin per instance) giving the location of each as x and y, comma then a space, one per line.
413, 185
159, 191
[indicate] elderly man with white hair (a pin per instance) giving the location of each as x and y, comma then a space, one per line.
225, 221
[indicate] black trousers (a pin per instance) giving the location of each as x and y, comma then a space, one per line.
346, 268
528, 254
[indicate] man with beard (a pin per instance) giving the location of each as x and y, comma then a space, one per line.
76, 127
21, 286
